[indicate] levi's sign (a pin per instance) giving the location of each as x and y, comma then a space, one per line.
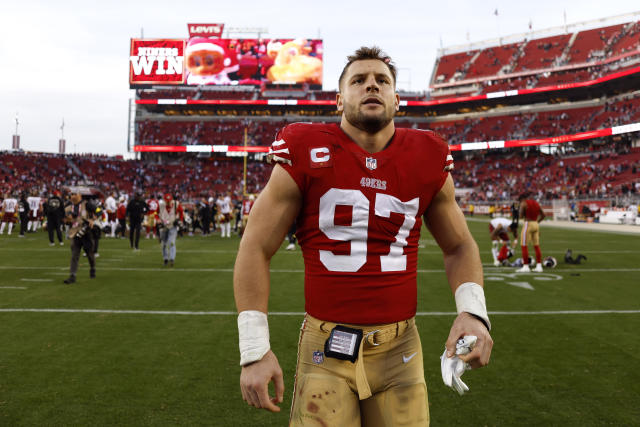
156, 61
205, 30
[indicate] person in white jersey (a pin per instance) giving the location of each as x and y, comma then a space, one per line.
500, 243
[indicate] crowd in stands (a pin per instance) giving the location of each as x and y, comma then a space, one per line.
531, 63
213, 132
579, 171
481, 128
587, 171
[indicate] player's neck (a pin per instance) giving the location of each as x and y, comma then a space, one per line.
371, 143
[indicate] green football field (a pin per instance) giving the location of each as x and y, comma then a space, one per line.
147, 345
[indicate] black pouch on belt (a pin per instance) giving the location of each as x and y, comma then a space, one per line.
343, 343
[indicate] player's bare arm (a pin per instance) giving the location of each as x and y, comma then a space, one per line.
269, 220
462, 265
542, 216
496, 232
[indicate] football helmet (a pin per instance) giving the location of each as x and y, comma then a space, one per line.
549, 262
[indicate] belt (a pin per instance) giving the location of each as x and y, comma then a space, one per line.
373, 335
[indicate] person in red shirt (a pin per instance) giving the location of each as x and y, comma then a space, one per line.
121, 216
247, 204
359, 192
171, 215
532, 214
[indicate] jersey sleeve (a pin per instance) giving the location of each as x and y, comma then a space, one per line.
445, 164
283, 152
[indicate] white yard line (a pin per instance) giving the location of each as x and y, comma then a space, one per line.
13, 287
36, 280
276, 270
295, 313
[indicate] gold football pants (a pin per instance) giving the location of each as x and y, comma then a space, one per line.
384, 387
530, 233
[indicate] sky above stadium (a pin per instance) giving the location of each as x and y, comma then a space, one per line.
69, 60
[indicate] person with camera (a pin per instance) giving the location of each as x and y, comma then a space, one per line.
80, 217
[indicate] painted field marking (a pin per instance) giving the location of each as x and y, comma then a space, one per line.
488, 271
509, 278
13, 287
297, 313
524, 285
36, 280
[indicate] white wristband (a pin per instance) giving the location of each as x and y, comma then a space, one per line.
470, 298
253, 332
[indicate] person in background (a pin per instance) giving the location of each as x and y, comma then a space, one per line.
151, 218
247, 204
136, 210
205, 216
532, 214
9, 213
54, 211
80, 218
111, 207
501, 246
34, 211
23, 212
121, 217
171, 214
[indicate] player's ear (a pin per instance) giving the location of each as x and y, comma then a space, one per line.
339, 104
397, 102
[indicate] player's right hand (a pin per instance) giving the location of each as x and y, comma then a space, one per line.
254, 383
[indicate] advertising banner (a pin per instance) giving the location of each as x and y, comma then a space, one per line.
212, 61
252, 61
205, 30
156, 61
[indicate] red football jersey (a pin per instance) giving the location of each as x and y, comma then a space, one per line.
533, 210
121, 213
153, 206
246, 207
360, 222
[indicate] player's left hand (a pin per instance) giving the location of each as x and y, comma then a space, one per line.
254, 383
466, 324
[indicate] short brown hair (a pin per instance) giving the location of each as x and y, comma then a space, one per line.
364, 53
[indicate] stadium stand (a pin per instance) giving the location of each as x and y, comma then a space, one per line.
606, 167
573, 56
589, 170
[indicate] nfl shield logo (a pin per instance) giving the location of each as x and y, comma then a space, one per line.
318, 357
371, 163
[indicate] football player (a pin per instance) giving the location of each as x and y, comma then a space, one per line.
247, 204
532, 214
35, 211
500, 243
224, 214
111, 206
359, 192
151, 218
8, 213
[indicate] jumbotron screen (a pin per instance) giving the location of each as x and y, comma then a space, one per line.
213, 61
